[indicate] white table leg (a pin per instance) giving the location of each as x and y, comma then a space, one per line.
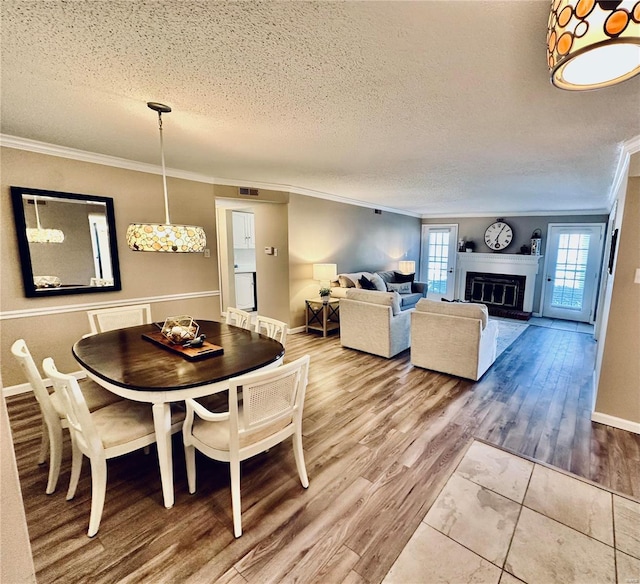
162, 425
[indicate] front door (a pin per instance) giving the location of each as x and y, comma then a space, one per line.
438, 260
572, 267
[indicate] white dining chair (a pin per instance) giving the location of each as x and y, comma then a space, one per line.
238, 317
108, 319
52, 410
269, 413
275, 329
114, 430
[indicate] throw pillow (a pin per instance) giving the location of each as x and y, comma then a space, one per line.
398, 277
346, 282
378, 282
367, 284
399, 287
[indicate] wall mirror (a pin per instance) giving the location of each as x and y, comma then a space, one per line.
67, 242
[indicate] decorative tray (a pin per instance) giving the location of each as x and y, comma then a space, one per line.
192, 353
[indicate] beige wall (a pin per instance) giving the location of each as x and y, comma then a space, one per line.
619, 382
353, 237
137, 197
473, 228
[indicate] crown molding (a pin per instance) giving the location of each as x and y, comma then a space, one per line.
627, 149
602, 211
18, 143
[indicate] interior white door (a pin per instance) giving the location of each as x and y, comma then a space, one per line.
572, 267
438, 260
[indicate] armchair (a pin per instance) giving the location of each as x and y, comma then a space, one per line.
373, 322
453, 337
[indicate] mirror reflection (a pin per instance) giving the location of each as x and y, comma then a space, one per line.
67, 242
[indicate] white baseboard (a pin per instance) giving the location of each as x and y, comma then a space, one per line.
26, 387
615, 422
298, 329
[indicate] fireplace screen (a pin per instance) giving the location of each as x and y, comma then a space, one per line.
500, 290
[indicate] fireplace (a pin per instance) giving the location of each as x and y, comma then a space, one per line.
505, 291
496, 290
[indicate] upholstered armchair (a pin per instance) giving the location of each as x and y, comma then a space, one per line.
372, 321
453, 337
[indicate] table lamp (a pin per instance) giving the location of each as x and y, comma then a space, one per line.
407, 267
324, 273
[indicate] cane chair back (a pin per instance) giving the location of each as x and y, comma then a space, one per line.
109, 319
269, 412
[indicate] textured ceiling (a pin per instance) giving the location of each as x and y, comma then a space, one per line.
428, 107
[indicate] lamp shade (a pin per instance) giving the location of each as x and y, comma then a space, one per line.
593, 43
407, 267
163, 237
325, 272
40, 235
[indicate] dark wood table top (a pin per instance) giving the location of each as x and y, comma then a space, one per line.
123, 358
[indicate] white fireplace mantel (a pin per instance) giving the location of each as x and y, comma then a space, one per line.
499, 263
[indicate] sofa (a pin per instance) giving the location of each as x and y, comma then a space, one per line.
453, 337
409, 290
372, 321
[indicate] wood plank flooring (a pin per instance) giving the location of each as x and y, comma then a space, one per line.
379, 436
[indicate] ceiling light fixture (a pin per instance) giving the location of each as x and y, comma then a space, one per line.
165, 236
40, 235
593, 43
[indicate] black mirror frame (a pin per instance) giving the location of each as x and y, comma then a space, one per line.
25, 255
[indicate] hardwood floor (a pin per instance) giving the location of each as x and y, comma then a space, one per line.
379, 439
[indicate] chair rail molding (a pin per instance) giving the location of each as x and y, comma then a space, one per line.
33, 312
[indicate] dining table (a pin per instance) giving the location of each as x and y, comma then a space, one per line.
132, 363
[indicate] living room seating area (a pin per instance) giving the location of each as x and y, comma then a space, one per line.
409, 290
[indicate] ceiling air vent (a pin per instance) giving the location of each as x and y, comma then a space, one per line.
248, 192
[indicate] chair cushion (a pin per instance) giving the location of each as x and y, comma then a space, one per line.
463, 309
216, 434
95, 396
127, 420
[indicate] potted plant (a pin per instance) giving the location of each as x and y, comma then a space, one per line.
324, 294
469, 246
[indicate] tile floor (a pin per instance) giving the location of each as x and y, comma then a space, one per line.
502, 519
565, 325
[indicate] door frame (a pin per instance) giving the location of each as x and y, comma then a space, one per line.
424, 256
598, 270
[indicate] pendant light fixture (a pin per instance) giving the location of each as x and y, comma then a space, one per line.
40, 235
593, 43
165, 236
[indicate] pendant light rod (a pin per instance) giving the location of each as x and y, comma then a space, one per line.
35, 204
161, 108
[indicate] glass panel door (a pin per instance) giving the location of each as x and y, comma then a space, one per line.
438, 263
573, 257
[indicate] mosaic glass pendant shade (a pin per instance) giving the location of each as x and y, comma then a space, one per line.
166, 237
593, 43
41, 235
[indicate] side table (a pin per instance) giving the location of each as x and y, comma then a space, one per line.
323, 317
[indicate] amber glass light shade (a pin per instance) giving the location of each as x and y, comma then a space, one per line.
593, 43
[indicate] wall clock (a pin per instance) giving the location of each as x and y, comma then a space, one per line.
498, 235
